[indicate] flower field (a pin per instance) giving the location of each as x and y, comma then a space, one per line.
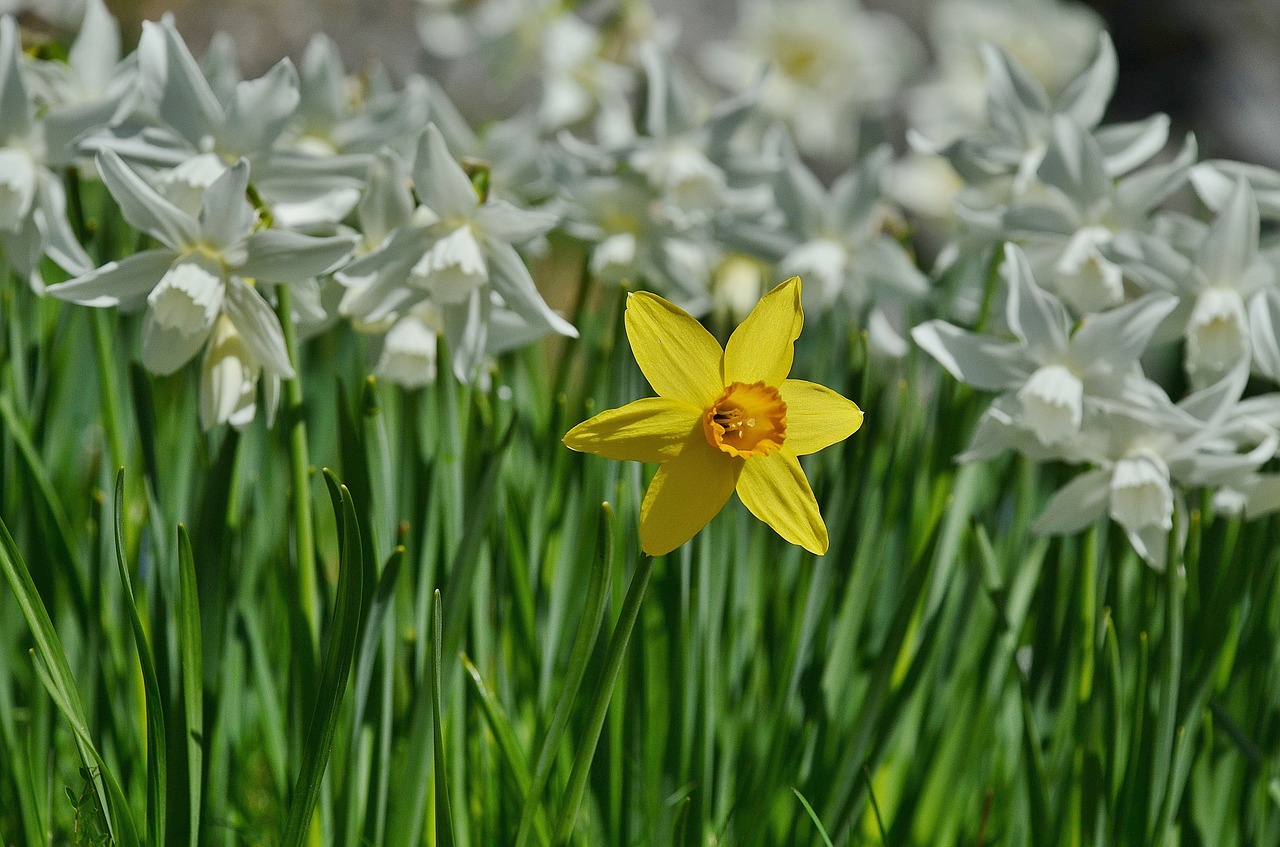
830, 434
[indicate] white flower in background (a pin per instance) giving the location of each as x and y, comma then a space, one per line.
207, 267
631, 242
1054, 41
687, 151
453, 251
92, 89
836, 239
1050, 377
348, 119
409, 352
579, 81
33, 209
1000, 162
1146, 458
61, 13
1067, 232
827, 64
451, 29
1222, 287
201, 134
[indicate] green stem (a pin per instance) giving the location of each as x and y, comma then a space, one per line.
111, 417
600, 703
300, 470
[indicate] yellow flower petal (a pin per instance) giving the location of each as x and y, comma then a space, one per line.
677, 355
686, 493
651, 430
761, 348
817, 417
776, 491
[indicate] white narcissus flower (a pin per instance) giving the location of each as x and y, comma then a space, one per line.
207, 268
826, 64
408, 355
1141, 497
454, 250
1224, 288
578, 81
229, 380
1054, 41
33, 208
1145, 458
92, 89
206, 125
1082, 209
1055, 374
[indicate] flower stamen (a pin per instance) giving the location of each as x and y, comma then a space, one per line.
747, 420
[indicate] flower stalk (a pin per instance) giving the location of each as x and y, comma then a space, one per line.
300, 470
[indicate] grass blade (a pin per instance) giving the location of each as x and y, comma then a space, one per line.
599, 705
598, 591
335, 670
191, 647
444, 814
157, 753
55, 673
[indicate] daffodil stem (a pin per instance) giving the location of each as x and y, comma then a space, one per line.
599, 707
300, 470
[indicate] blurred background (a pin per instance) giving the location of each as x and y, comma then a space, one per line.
1214, 68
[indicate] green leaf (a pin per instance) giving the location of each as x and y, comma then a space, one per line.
55, 673
190, 643
157, 754
335, 668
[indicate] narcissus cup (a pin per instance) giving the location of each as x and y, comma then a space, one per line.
724, 420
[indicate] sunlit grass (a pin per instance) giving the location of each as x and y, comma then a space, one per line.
942, 671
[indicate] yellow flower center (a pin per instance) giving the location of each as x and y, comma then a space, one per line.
747, 420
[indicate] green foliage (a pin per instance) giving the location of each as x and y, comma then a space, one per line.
474, 651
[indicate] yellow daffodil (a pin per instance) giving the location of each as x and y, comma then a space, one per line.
723, 420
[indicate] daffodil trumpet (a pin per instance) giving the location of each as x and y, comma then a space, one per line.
724, 420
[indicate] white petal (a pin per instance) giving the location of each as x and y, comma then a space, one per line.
114, 282
228, 379
187, 103
511, 279
1076, 505
409, 353
15, 109
441, 182
143, 207
189, 296
1232, 241
225, 215
96, 51
1217, 335
278, 255
1052, 403
452, 268
17, 188
1117, 338
500, 220
822, 264
260, 108
1141, 496
985, 363
259, 327
1034, 315
1264, 320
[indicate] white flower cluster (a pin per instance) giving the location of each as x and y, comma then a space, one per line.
1103, 284
383, 206
246, 185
